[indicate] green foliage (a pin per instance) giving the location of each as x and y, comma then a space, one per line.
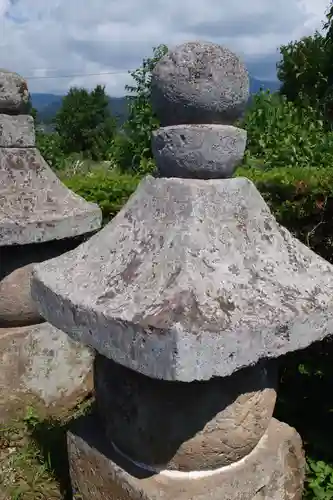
305, 401
110, 189
136, 143
319, 480
281, 134
303, 70
84, 123
301, 199
30, 110
50, 147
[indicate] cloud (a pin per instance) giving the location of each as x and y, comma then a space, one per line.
42, 39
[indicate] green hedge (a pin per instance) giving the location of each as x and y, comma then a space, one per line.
110, 189
301, 200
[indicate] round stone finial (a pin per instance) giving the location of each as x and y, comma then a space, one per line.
199, 82
14, 93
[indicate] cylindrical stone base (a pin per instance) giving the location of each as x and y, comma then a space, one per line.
274, 470
184, 426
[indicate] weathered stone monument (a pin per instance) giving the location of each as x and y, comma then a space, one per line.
188, 296
39, 219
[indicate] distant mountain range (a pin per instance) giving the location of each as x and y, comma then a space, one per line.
48, 104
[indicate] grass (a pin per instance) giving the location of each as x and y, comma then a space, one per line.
33, 457
33, 452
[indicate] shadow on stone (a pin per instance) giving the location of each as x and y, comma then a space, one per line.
184, 426
15, 256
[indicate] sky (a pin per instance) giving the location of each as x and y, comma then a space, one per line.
84, 39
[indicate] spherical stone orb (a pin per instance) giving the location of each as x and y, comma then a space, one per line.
199, 82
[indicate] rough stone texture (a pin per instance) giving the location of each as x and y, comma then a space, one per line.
41, 366
14, 94
192, 279
34, 205
199, 82
16, 305
273, 471
200, 426
17, 131
198, 151
3, 495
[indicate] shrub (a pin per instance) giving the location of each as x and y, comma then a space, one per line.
49, 146
110, 189
282, 135
301, 199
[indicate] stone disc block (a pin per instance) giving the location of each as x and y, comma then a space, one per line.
184, 426
17, 131
198, 151
273, 471
199, 82
14, 94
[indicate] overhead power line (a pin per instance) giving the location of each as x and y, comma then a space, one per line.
78, 75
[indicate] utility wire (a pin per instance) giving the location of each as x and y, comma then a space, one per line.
76, 75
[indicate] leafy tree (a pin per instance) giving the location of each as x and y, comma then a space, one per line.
282, 134
305, 69
135, 144
84, 123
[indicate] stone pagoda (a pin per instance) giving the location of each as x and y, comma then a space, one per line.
188, 296
39, 219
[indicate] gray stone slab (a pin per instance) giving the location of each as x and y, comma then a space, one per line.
192, 279
198, 151
14, 94
35, 206
199, 82
17, 131
273, 471
41, 366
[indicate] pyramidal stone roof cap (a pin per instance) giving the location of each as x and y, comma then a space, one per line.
192, 279
35, 206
